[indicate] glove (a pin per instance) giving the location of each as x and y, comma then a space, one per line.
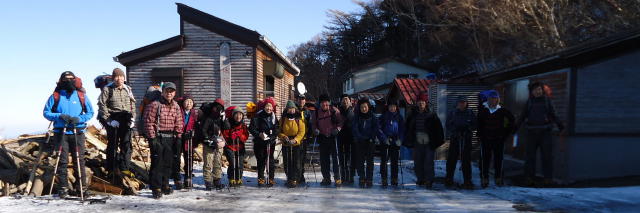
210, 143
316, 132
375, 140
65, 117
292, 142
114, 124
398, 142
132, 123
187, 135
334, 132
264, 136
220, 142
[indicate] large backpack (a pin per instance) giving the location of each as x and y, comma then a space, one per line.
81, 95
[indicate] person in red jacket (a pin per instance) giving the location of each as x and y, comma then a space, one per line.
190, 116
235, 136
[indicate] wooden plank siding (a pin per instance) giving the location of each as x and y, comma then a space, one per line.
281, 86
200, 61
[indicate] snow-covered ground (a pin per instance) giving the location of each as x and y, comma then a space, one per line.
314, 198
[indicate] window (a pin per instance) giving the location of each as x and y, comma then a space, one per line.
269, 86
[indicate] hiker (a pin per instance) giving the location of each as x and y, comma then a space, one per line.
495, 124
163, 129
117, 113
190, 117
345, 140
213, 124
460, 123
264, 129
308, 136
538, 117
424, 133
327, 123
365, 129
236, 136
391, 134
69, 109
292, 131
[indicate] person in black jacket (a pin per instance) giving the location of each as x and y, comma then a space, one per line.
345, 139
264, 128
365, 132
425, 135
460, 124
538, 117
495, 124
212, 126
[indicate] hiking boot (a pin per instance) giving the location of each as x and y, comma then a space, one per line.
302, 180
217, 184
239, 182
467, 185
271, 183
187, 183
127, 173
325, 182
529, 182
338, 183
349, 181
394, 181
232, 182
292, 184
362, 183
369, 183
484, 182
156, 194
384, 183
448, 182
428, 184
63, 192
85, 193
499, 182
178, 184
420, 183
167, 190
261, 182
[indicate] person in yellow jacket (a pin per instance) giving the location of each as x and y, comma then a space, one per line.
292, 132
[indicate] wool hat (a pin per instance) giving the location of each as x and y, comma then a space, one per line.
230, 111
219, 101
493, 94
266, 101
117, 72
324, 97
364, 100
423, 97
168, 85
291, 104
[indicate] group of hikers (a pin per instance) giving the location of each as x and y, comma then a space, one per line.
347, 134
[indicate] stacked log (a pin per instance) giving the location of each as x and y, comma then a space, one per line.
18, 158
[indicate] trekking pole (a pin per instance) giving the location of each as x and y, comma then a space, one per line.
75, 138
268, 156
313, 150
400, 165
55, 168
114, 155
235, 160
335, 139
190, 160
32, 174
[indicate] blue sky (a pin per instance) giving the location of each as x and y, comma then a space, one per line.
41, 39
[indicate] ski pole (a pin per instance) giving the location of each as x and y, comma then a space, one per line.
268, 156
80, 178
114, 155
32, 174
190, 159
400, 164
335, 139
55, 168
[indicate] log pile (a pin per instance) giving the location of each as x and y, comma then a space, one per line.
19, 156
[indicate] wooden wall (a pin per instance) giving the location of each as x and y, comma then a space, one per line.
200, 59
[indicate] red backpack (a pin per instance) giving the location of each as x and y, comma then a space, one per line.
79, 89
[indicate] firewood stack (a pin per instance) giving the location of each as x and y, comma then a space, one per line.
18, 158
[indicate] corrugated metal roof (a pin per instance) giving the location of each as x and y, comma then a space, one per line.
373, 96
410, 89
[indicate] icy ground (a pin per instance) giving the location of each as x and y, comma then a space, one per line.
314, 198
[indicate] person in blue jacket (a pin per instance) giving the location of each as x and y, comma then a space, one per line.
69, 109
391, 134
364, 130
